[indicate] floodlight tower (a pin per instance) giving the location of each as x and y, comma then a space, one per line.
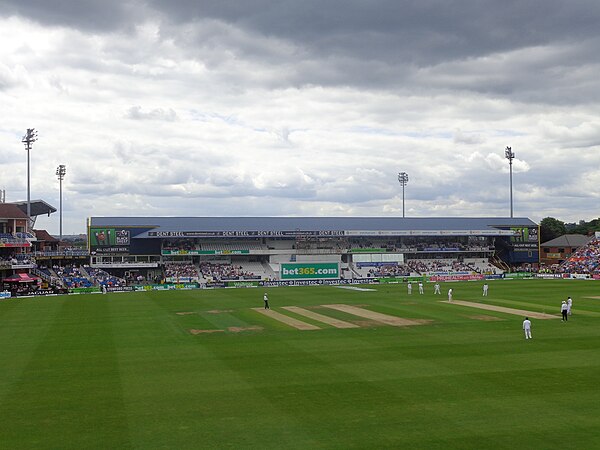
510, 155
403, 180
29, 138
60, 173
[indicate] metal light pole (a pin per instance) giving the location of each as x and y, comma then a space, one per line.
403, 179
510, 155
28, 140
60, 173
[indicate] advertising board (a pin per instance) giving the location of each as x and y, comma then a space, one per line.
109, 240
309, 271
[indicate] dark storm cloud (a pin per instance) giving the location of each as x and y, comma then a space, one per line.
536, 51
87, 15
408, 32
423, 32
487, 47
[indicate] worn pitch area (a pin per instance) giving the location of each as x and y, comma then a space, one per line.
378, 317
374, 318
519, 312
298, 324
337, 323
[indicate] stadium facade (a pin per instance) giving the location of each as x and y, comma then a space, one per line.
277, 247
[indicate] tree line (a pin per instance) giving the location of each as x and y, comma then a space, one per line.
551, 228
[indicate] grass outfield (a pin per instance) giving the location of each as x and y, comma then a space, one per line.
124, 371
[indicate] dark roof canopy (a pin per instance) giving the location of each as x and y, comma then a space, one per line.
163, 226
38, 207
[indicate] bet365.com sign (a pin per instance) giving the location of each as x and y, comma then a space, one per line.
296, 271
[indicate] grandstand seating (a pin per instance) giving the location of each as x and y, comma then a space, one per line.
45, 271
223, 271
181, 270
586, 260
190, 244
100, 277
417, 267
255, 269
18, 258
24, 235
279, 244
12, 239
482, 265
381, 270
218, 246
73, 276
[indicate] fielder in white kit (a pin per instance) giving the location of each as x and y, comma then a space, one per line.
527, 328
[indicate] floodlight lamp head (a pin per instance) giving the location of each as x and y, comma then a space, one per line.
61, 170
30, 137
403, 178
509, 154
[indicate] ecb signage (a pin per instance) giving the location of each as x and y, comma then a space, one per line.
304, 271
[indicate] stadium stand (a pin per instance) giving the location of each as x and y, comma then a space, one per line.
179, 271
239, 248
100, 277
73, 277
222, 271
586, 260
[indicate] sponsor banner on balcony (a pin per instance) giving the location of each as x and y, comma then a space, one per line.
204, 252
248, 233
15, 244
23, 266
369, 250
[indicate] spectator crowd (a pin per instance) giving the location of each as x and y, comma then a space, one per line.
586, 260
223, 271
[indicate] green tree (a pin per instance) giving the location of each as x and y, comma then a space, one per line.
586, 228
551, 228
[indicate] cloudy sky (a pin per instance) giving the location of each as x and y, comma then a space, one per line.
301, 108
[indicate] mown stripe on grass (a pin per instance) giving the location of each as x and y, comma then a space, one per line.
25, 322
70, 389
186, 394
